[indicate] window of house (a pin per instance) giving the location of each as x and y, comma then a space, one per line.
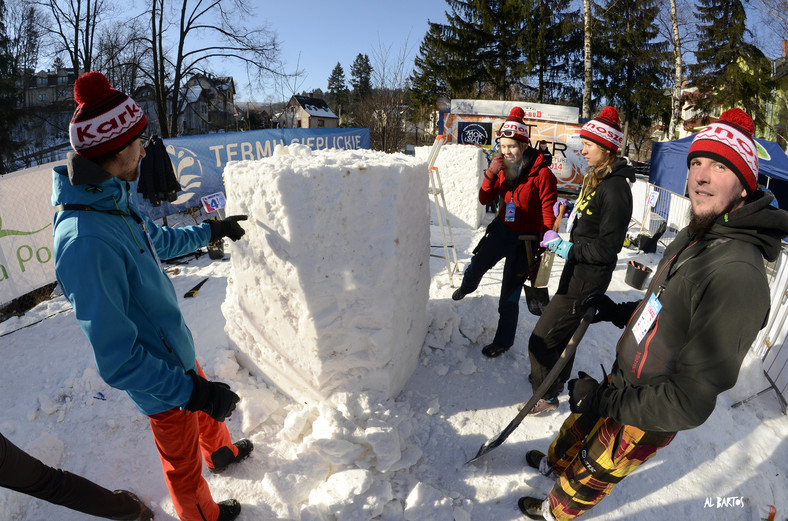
42, 82
42, 97
321, 123
62, 80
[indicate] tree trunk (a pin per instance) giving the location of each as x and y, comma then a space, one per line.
587, 59
675, 106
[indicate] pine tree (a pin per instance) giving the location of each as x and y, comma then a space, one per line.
553, 51
361, 77
630, 62
729, 71
8, 96
337, 88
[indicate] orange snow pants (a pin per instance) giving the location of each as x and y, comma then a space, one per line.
182, 437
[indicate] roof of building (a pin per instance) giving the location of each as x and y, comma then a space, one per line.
315, 107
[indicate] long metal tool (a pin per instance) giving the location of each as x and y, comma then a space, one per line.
551, 377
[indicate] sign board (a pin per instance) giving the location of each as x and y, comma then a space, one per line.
213, 202
652, 198
475, 122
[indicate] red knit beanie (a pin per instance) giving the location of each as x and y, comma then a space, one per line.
730, 142
514, 127
106, 120
604, 130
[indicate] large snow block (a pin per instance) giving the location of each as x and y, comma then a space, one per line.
329, 287
460, 168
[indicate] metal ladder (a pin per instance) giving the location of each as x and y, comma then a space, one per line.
436, 189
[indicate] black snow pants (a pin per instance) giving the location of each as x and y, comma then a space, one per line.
555, 327
21, 472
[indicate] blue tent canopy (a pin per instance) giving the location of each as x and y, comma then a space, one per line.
669, 163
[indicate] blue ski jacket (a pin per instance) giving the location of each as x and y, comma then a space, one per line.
123, 300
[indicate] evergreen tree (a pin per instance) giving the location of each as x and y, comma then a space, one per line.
553, 51
486, 39
729, 71
361, 77
630, 62
337, 88
8, 96
429, 79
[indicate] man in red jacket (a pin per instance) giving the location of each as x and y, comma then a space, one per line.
527, 188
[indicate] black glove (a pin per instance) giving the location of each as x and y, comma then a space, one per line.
582, 393
228, 227
213, 398
609, 311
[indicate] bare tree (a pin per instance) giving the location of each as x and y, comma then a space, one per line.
676, 25
384, 109
121, 54
202, 31
73, 27
778, 16
587, 83
23, 22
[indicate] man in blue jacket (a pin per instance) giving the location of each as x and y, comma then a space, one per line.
107, 263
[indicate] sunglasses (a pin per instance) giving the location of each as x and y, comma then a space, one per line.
506, 133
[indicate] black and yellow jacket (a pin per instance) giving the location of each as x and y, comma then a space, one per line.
601, 224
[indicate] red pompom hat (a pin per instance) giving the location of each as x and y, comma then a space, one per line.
514, 127
730, 142
604, 130
106, 120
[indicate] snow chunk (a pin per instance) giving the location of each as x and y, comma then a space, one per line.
329, 287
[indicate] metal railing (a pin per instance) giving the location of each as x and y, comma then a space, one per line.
652, 205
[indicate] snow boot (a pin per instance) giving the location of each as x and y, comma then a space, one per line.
458, 294
493, 350
536, 459
229, 509
531, 507
145, 513
543, 405
223, 457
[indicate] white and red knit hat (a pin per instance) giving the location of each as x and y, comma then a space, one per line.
514, 127
106, 120
604, 130
730, 142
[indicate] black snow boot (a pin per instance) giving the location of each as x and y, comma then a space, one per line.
458, 294
531, 507
223, 457
229, 509
493, 350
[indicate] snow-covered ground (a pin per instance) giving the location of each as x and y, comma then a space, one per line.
361, 456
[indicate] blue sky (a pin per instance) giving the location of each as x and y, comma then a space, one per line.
324, 33
315, 35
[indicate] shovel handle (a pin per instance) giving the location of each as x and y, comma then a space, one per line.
551, 377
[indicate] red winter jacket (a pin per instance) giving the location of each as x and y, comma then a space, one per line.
534, 194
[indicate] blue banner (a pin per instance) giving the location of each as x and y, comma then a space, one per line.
199, 161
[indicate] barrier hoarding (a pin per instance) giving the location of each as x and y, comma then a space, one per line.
26, 260
475, 122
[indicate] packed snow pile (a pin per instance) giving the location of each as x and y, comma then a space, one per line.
328, 290
460, 168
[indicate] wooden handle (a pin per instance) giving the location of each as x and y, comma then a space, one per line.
557, 223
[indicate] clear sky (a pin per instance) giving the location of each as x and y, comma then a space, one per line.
316, 35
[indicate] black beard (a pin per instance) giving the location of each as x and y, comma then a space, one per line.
698, 224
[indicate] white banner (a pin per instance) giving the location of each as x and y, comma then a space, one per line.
26, 257
540, 111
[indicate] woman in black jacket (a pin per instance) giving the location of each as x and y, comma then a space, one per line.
597, 227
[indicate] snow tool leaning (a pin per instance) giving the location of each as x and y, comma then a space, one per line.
193, 292
543, 276
551, 377
536, 298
